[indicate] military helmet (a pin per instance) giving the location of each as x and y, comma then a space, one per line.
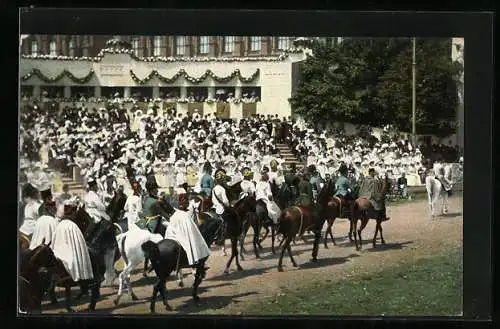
220, 174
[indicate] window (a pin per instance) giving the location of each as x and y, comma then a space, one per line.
203, 45
283, 43
156, 46
135, 46
228, 44
71, 47
254, 43
180, 45
52, 48
34, 48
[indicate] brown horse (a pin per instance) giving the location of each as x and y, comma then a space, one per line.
294, 221
363, 210
334, 207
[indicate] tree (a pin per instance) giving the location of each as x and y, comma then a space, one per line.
436, 90
368, 81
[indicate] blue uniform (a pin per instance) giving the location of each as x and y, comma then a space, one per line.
206, 185
342, 186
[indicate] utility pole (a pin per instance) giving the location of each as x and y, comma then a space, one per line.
414, 97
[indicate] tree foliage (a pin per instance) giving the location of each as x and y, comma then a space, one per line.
368, 81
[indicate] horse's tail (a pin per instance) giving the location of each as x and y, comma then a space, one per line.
151, 251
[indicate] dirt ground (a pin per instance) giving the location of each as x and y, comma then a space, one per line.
410, 234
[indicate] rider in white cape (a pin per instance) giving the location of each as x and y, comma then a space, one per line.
70, 247
45, 230
183, 229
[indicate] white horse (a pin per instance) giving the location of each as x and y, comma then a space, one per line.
436, 191
129, 245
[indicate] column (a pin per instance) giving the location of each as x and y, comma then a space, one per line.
156, 92
266, 46
183, 92
36, 91
97, 91
67, 91
126, 92
237, 92
211, 92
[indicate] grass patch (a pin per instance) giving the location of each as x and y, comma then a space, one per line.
429, 287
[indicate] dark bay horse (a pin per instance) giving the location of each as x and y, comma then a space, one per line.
168, 256
100, 238
34, 279
334, 208
363, 210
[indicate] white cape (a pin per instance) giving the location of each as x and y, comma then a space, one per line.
70, 247
183, 229
273, 210
45, 228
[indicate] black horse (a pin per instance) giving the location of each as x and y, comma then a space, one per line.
167, 256
100, 238
33, 280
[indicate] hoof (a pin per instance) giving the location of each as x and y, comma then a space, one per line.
226, 272
280, 269
134, 297
240, 268
152, 310
196, 297
168, 307
144, 274
314, 260
295, 265
181, 284
326, 247
90, 309
383, 242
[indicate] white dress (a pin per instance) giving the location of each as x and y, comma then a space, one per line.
263, 192
45, 229
132, 208
95, 206
30, 217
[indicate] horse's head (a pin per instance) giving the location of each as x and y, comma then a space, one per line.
43, 256
324, 194
104, 237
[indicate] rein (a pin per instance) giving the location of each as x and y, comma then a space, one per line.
301, 218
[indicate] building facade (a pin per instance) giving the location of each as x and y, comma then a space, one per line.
163, 46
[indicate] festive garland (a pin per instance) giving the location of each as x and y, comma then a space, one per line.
64, 73
131, 53
182, 72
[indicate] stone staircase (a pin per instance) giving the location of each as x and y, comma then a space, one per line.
287, 155
60, 179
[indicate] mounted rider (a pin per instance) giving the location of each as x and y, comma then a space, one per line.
152, 211
372, 188
220, 200
247, 184
32, 204
343, 190
292, 183
316, 181
306, 199
94, 206
442, 173
207, 181
263, 193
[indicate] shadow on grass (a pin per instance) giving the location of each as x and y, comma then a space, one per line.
450, 215
236, 275
388, 246
170, 295
322, 262
210, 303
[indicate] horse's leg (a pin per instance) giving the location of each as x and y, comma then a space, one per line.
381, 235
67, 296
198, 277
289, 250
273, 236
256, 230
129, 287
330, 231
354, 224
95, 294
153, 297
228, 264
351, 230
163, 291
445, 202
84, 290
123, 280
364, 221
246, 226
110, 273
52, 293
265, 234
285, 247
234, 249
180, 278
377, 227
145, 269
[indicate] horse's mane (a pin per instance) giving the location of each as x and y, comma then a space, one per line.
324, 193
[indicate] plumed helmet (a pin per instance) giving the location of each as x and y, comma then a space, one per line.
273, 163
220, 174
247, 172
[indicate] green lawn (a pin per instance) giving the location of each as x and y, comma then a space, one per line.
428, 287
